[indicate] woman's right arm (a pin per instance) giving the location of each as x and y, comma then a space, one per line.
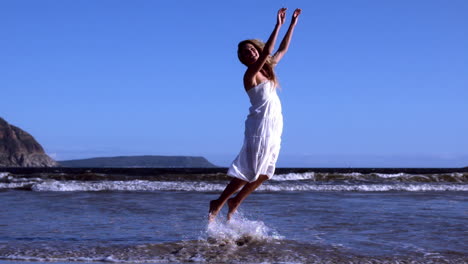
252, 70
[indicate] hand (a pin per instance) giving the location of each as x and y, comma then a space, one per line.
295, 15
281, 16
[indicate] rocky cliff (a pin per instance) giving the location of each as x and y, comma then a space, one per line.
19, 149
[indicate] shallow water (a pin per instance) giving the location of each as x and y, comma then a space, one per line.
155, 226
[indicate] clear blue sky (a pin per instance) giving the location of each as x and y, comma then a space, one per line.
364, 83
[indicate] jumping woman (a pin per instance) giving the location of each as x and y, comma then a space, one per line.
256, 161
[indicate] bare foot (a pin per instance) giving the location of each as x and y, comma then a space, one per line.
215, 207
232, 204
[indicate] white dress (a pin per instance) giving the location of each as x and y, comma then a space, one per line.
262, 136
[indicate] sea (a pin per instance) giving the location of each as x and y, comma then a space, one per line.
306, 215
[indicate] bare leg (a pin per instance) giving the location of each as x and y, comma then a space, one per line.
215, 205
234, 202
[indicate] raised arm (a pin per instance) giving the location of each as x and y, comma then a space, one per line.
287, 38
252, 70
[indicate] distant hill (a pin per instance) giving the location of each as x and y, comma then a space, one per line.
140, 162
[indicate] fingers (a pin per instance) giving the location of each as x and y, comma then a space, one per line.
297, 12
282, 11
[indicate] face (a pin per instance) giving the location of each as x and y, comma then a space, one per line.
248, 54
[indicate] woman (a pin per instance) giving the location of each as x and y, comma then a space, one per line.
264, 125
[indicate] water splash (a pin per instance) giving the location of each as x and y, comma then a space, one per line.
240, 230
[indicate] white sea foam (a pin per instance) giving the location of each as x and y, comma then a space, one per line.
13, 185
4, 174
294, 176
353, 174
140, 185
364, 187
136, 185
390, 175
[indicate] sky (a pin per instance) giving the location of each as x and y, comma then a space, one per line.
365, 83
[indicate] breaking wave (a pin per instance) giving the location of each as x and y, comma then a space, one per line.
145, 186
373, 177
308, 181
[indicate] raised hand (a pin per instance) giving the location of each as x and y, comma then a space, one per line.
295, 15
281, 16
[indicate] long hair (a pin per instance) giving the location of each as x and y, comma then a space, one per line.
268, 67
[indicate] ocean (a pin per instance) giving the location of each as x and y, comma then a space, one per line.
299, 216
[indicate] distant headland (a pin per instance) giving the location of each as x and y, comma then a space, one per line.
147, 161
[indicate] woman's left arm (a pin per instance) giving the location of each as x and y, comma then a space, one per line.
287, 38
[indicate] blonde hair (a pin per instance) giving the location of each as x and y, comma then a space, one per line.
268, 67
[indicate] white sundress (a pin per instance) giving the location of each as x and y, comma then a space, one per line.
262, 136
